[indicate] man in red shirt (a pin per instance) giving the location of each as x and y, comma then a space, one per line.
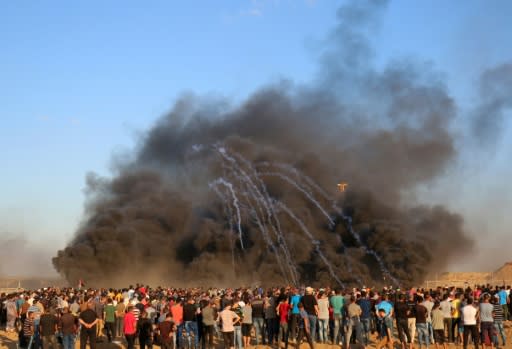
130, 328
282, 311
177, 316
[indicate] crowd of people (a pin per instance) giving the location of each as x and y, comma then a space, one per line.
239, 318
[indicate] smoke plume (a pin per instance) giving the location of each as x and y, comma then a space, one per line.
22, 257
211, 185
495, 100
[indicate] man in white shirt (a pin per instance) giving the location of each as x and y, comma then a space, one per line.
429, 305
469, 316
446, 308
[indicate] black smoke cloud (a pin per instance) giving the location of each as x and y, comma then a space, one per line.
383, 131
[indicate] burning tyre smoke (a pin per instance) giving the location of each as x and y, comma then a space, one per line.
222, 194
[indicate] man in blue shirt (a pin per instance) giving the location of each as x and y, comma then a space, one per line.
366, 308
386, 307
385, 333
503, 296
294, 317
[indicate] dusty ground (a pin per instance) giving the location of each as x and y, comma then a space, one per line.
9, 341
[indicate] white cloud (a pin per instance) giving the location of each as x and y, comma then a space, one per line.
254, 12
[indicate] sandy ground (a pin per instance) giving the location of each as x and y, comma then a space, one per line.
10, 340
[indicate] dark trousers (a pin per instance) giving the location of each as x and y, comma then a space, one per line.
130, 339
229, 339
207, 337
88, 334
25, 342
109, 329
292, 326
179, 335
470, 329
271, 330
302, 333
366, 325
145, 342
456, 322
488, 332
403, 330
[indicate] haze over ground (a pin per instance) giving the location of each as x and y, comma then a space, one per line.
82, 83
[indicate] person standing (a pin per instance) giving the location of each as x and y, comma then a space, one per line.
28, 331
469, 316
337, 302
304, 327
486, 321
258, 319
145, 331
294, 316
283, 311
228, 318
366, 315
99, 307
401, 316
269, 306
190, 321
438, 325
130, 327
247, 323
11, 313
120, 311
209, 316
498, 322
354, 324
446, 308
74, 308
427, 303
421, 313
411, 319
177, 316
456, 318
385, 334
504, 300
310, 305
237, 326
323, 316
88, 319
48, 327
386, 321
109, 316
166, 330
68, 327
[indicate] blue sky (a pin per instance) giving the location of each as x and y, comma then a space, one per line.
80, 80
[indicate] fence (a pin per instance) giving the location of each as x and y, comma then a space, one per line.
428, 284
10, 290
